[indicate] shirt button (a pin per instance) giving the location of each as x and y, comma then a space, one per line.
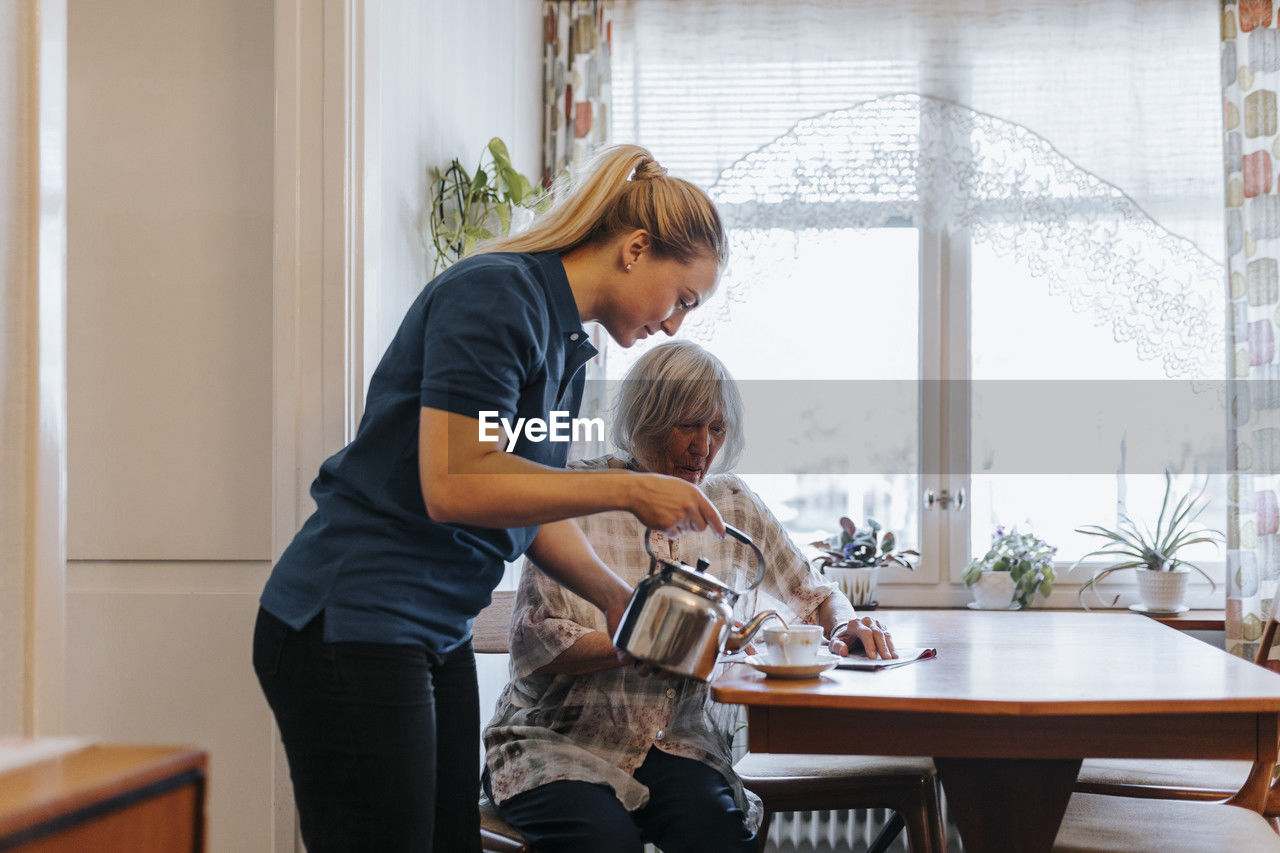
671, 693
574, 336
661, 734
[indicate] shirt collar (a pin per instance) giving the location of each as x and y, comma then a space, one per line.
564, 310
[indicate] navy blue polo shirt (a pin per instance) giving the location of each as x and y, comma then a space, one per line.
493, 333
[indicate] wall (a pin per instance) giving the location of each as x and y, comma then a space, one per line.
32, 365
448, 78
17, 275
171, 335
169, 288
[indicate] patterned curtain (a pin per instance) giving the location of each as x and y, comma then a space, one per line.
576, 93
1250, 62
576, 73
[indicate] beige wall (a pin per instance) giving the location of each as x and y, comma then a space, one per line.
169, 279
171, 335
169, 289
17, 276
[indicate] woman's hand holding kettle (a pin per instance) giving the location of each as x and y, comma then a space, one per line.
672, 505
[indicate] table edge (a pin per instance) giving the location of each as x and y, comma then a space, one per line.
166, 762
731, 692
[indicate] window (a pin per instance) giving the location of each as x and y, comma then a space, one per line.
939, 215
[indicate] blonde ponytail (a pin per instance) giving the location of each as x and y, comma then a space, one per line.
622, 190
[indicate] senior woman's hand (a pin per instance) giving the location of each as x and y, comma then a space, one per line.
865, 635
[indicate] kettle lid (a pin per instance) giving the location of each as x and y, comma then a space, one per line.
697, 581
696, 577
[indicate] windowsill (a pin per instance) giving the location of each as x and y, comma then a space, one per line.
1191, 620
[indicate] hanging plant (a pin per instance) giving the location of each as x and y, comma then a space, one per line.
470, 207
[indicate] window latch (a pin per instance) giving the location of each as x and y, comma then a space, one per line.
943, 499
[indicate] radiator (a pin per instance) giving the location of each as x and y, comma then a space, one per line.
842, 831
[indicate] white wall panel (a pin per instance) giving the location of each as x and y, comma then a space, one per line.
169, 279
157, 657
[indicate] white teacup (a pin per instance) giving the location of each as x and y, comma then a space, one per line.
797, 645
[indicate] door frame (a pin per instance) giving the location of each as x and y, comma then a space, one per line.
322, 50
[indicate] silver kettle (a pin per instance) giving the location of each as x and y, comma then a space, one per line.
680, 618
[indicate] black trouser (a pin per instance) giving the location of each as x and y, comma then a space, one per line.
383, 740
690, 808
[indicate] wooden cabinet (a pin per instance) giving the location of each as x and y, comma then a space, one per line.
141, 799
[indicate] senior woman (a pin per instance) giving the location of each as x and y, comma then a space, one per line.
585, 753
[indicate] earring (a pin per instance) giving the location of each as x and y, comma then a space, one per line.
628, 267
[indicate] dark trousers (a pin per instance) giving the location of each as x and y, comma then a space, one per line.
690, 808
383, 740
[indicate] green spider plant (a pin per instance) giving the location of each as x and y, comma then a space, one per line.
1155, 550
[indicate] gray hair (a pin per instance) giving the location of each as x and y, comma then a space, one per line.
671, 384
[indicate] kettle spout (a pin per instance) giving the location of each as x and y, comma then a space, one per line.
739, 638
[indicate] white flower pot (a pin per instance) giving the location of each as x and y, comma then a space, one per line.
1162, 590
858, 585
993, 591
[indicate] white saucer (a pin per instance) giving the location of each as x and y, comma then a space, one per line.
804, 670
973, 605
1142, 608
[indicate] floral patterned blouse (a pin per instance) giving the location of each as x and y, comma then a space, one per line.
599, 727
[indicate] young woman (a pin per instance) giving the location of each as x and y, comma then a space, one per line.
362, 644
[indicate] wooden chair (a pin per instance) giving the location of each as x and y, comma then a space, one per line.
489, 637
1095, 823
1163, 806
1171, 779
496, 835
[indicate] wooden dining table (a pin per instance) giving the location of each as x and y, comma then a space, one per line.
1012, 704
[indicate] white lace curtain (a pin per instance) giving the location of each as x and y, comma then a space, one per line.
997, 117
938, 164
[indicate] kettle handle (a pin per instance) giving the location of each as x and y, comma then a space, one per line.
732, 531
746, 540
653, 558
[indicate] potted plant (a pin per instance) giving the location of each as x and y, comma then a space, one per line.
469, 207
851, 557
1153, 554
1016, 567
